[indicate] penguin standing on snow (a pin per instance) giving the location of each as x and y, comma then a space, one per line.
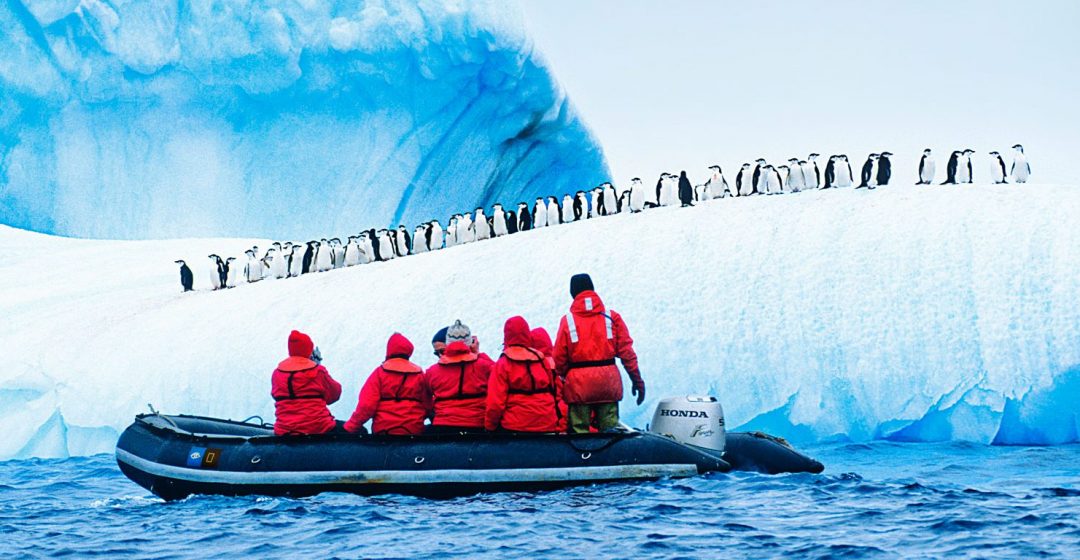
597, 198
567, 212
670, 190
554, 213
187, 279
324, 259
951, 167
718, 185
811, 180
686, 190
539, 213
794, 178
970, 173
337, 252
610, 201
524, 217
498, 220
963, 167
756, 180
1021, 169
254, 269
480, 221
770, 180
404, 241
637, 195
830, 173
867, 178
884, 169
217, 272
296, 260
926, 168
742, 181
997, 168
581, 206
233, 278
844, 177
435, 236
466, 231
511, 222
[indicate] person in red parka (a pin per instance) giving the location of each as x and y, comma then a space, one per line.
589, 339
458, 384
395, 395
541, 342
301, 389
522, 394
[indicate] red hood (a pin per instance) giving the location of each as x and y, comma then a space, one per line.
516, 332
587, 303
540, 340
398, 347
457, 351
300, 345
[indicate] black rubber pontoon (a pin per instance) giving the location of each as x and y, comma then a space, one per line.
176, 456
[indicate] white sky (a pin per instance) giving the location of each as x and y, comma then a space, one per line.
671, 85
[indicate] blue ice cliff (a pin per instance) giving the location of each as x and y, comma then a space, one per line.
274, 118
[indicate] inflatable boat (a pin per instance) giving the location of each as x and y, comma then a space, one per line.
176, 456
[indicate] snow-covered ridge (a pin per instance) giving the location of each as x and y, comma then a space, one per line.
913, 313
179, 119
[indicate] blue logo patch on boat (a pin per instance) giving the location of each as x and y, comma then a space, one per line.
195, 457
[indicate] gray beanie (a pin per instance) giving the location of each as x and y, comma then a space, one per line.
458, 332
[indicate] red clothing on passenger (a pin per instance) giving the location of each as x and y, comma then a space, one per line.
587, 360
522, 394
301, 390
541, 342
395, 395
458, 385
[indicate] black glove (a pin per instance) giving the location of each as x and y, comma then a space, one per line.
316, 356
638, 390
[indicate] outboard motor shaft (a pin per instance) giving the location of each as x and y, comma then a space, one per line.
696, 421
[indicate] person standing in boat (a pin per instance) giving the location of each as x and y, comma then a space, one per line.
522, 395
458, 384
302, 389
590, 337
395, 396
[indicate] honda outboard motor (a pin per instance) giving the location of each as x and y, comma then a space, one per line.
697, 421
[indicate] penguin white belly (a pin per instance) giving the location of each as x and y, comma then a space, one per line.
567, 212
795, 179
254, 270
500, 224
1020, 170
436, 237
927, 175
843, 176
962, 175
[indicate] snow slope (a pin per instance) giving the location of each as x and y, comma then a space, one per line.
177, 119
912, 313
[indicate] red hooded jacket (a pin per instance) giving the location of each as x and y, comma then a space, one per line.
585, 352
541, 342
301, 390
522, 394
395, 395
458, 385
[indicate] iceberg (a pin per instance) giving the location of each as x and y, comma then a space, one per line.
907, 313
280, 119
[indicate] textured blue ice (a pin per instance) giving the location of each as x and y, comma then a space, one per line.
274, 118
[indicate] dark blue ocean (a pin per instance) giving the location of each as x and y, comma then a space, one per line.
881, 500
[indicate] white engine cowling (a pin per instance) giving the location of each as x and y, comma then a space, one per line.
697, 421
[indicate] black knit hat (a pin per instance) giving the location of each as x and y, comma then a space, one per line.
580, 283
440, 336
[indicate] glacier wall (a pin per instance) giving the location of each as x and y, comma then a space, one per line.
907, 313
274, 118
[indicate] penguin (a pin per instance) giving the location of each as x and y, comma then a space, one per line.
187, 279
378, 248
997, 168
435, 236
770, 180
637, 195
233, 278
481, 225
659, 188
794, 179
844, 175
926, 168
296, 261
581, 206
867, 178
466, 233
702, 192
324, 259
830, 173
419, 239
670, 191
404, 242
963, 167
718, 185
217, 272
498, 217
280, 267
1021, 169
511, 222
951, 167
596, 197
554, 213
539, 213
367, 248
254, 268
811, 177
624, 202
757, 177
524, 217
352, 251
968, 153
387, 244
337, 252
567, 214
742, 181
451, 231
686, 190
309, 257
610, 201
884, 169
